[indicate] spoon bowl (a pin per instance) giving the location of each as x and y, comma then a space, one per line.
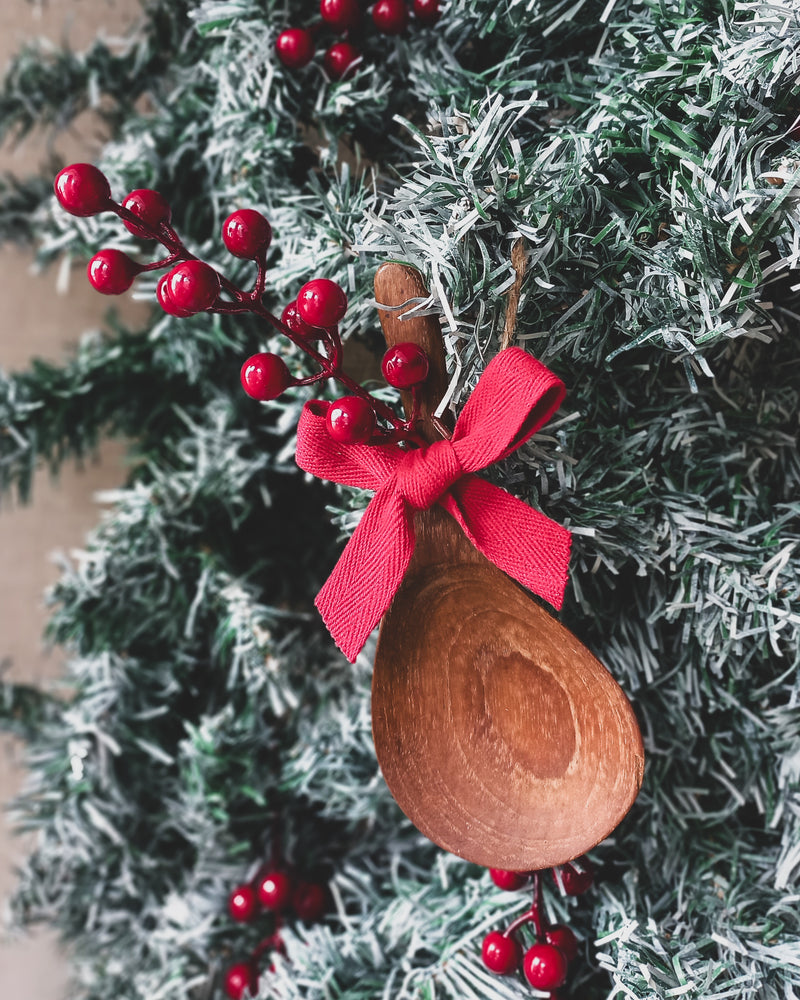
500, 736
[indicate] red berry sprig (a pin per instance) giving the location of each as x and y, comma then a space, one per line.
295, 46
274, 891
546, 963
191, 286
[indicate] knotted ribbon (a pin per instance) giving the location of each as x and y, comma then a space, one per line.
514, 397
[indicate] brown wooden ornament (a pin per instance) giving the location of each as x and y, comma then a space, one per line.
501, 737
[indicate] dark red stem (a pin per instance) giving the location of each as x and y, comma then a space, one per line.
538, 918
156, 265
268, 944
534, 915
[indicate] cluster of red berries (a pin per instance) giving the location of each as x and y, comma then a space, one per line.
546, 962
351, 419
272, 891
191, 286
295, 46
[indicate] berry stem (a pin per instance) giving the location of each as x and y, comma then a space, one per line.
231, 308
268, 943
532, 915
261, 277
311, 379
156, 265
244, 302
536, 909
168, 235
521, 920
333, 344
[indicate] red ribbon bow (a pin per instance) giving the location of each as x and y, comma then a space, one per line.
514, 397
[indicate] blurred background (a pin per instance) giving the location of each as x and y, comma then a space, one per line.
38, 321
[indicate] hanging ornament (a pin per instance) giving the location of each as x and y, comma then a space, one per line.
499, 734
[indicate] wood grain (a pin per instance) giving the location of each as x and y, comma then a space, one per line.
501, 736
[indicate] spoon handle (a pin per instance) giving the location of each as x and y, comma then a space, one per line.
396, 286
499, 734
438, 539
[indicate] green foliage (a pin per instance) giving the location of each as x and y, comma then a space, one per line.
640, 155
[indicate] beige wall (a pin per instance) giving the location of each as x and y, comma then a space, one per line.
37, 321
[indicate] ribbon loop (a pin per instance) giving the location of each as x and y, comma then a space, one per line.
514, 396
424, 475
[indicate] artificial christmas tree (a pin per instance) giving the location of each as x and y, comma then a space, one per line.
611, 187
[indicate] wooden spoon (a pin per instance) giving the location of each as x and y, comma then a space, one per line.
501, 737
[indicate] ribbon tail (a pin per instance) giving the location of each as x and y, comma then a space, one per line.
519, 540
368, 574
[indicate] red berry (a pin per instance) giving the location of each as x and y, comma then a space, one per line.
291, 318
321, 303
405, 365
309, 900
112, 272
239, 978
166, 303
508, 880
560, 936
242, 903
265, 376
390, 16
545, 967
295, 47
427, 11
193, 286
275, 890
246, 233
340, 60
576, 877
82, 189
350, 420
340, 14
501, 954
149, 206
